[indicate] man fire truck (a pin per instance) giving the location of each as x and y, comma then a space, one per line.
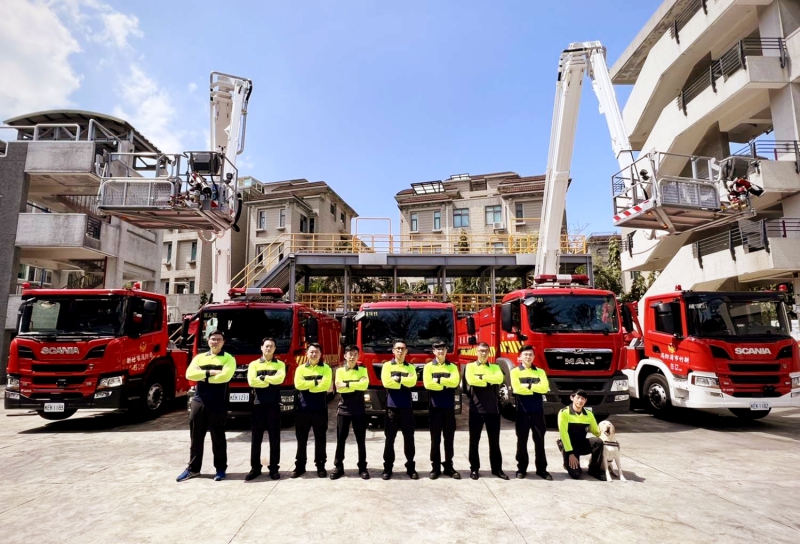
252, 314
714, 351
418, 323
93, 349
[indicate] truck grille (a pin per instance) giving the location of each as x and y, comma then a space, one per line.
60, 381
579, 360
572, 385
755, 380
55, 368
745, 367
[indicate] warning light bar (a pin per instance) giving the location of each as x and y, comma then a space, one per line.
561, 280
255, 292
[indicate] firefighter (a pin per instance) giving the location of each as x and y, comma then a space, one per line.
574, 422
265, 376
441, 378
351, 381
529, 384
208, 410
312, 380
483, 378
398, 377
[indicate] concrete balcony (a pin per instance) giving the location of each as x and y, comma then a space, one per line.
179, 305
60, 237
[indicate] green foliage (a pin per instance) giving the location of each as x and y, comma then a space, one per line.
203, 299
609, 276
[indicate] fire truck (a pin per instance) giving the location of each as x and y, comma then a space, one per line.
246, 318
93, 349
418, 323
714, 351
575, 331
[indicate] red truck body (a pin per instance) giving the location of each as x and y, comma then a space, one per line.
420, 324
93, 349
246, 320
577, 338
715, 351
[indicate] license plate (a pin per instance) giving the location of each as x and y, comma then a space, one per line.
53, 406
240, 397
414, 396
759, 406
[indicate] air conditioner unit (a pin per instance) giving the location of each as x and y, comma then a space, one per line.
499, 225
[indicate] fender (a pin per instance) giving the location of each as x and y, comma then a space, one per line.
162, 363
633, 376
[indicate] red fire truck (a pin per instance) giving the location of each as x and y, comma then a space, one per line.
714, 351
249, 316
419, 323
575, 331
93, 349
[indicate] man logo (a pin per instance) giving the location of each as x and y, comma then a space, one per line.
752, 351
60, 351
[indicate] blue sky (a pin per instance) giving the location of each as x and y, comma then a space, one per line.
368, 96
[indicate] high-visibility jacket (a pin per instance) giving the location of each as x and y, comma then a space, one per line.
351, 397
441, 380
573, 426
483, 379
398, 379
211, 390
265, 377
313, 382
529, 384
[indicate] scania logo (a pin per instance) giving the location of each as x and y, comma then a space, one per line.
578, 361
752, 351
60, 351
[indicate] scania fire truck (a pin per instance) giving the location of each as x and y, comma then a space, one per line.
93, 349
714, 351
420, 324
575, 332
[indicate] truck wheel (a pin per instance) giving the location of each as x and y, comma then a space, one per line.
749, 415
155, 395
56, 416
656, 394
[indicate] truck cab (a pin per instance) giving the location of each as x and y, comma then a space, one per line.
715, 351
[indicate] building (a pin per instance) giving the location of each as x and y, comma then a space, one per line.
597, 244
185, 271
53, 235
719, 79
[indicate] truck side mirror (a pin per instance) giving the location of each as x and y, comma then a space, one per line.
150, 306
312, 331
24, 314
472, 341
347, 330
627, 318
471, 325
506, 318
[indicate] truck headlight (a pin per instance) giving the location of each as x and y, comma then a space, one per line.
111, 381
12, 383
619, 385
705, 381
795, 381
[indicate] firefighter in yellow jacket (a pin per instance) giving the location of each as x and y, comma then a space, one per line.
312, 380
351, 381
265, 376
441, 379
529, 384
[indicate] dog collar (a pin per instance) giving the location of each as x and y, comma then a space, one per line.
612, 444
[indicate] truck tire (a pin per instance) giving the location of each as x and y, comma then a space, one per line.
749, 415
504, 392
156, 394
656, 394
57, 416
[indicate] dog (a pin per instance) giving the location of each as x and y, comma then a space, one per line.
610, 450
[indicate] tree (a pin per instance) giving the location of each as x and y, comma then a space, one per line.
609, 276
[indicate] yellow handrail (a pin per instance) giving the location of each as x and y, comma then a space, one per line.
334, 302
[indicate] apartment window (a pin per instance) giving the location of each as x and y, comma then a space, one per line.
166, 287
168, 252
181, 287
191, 286
262, 220
193, 253
48, 276
498, 247
519, 212
312, 225
282, 218
414, 222
31, 273
260, 253
460, 218
303, 223
437, 220
333, 209
494, 214
342, 217
21, 272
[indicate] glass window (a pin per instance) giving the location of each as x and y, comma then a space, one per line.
437, 220
519, 212
568, 313
414, 222
168, 251
333, 209
191, 286
303, 223
166, 287
740, 315
21, 272
74, 316
245, 328
341, 217
282, 218
419, 328
312, 225
31, 273
193, 256
494, 214
260, 253
460, 218
498, 247
262, 220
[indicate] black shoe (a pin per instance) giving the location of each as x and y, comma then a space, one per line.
413, 474
364, 475
544, 475
274, 474
337, 473
500, 474
474, 474
597, 474
434, 475
521, 475
252, 475
322, 473
452, 473
297, 472
386, 475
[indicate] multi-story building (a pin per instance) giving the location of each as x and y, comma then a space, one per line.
185, 271
721, 79
52, 233
597, 244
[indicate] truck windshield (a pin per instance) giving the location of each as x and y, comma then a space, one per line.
572, 313
88, 316
245, 328
420, 329
726, 316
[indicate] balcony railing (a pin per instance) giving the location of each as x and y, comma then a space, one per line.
750, 235
773, 150
685, 15
730, 62
335, 302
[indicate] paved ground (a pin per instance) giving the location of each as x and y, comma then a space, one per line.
105, 478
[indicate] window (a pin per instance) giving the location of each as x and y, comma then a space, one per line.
48, 277
665, 317
191, 286
146, 315
262, 220
168, 252
460, 218
311, 225
193, 253
414, 222
166, 287
498, 247
437, 220
494, 214
303, 223
21, 272
333, 209
341, 217
282, 218
31, 273
260, 253
519, 212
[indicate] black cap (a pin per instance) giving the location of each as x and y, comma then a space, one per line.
580, 393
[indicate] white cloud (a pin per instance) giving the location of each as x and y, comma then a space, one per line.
99, 22
34, 64
192, 87
117, 28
